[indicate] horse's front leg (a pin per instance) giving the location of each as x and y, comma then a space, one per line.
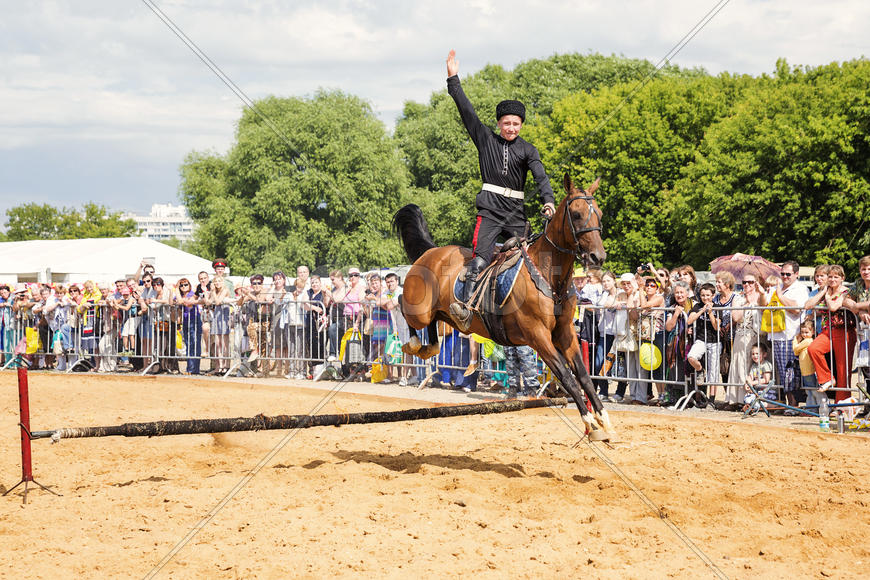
433, 348
562, 370
565, 341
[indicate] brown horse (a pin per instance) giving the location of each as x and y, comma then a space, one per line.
529, 316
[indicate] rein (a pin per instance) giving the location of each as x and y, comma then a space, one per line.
575, 251
537, 277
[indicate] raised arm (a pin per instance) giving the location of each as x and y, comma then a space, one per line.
476, 130
452, 64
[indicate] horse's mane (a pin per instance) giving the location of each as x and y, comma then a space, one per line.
412, 229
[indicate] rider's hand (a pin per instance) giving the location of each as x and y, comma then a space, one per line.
452, 64
548, 211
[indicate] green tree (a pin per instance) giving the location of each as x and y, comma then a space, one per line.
637, 143
324, 198
786, 174
33, 221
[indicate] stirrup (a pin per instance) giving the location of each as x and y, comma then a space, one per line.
461, 315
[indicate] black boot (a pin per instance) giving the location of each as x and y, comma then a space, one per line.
459, 310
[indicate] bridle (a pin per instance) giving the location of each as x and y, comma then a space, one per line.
575, 250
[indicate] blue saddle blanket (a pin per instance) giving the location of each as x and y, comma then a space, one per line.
504, 283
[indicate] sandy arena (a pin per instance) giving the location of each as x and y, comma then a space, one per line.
496, 496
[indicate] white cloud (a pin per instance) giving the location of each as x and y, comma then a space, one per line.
97, 79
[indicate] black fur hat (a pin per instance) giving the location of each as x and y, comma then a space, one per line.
510, 108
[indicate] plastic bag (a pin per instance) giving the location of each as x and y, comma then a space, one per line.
379, 371
773, 320
493, 351
352, 348
343, 343
33, 342
393, 349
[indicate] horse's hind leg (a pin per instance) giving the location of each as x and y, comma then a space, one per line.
431, 349
413, 345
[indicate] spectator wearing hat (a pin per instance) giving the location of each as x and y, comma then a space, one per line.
220, 269
578, 281
505, 160
353, 298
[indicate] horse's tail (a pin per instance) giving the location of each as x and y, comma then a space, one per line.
412, 229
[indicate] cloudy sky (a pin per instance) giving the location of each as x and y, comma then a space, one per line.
101, 101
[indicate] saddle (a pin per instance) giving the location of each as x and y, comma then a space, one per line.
494, 286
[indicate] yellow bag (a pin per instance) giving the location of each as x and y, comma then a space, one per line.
33, 342
773, 320
379, 371
345, 337
179, 341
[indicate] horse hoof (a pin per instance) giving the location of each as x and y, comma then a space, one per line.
600, 435
428, 351
413, 346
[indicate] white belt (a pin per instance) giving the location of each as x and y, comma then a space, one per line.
505, 191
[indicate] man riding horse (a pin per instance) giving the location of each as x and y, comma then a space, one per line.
505, 159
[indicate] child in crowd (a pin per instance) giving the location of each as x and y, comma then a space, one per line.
706, 338
128, 306
808, 370
759, 378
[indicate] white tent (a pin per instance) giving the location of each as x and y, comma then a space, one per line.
98, 259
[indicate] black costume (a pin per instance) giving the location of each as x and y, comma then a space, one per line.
504, 164
503, 168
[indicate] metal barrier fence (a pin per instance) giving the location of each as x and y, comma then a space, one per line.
725, 354
258, 335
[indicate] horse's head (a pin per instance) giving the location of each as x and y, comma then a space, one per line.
576, 225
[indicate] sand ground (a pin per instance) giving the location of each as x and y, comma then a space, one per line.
494, 496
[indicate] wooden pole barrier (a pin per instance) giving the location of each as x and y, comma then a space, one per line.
263, 422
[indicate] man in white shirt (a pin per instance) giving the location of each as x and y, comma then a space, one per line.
792, 294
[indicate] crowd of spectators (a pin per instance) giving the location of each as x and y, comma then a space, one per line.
703, 335
726, 334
